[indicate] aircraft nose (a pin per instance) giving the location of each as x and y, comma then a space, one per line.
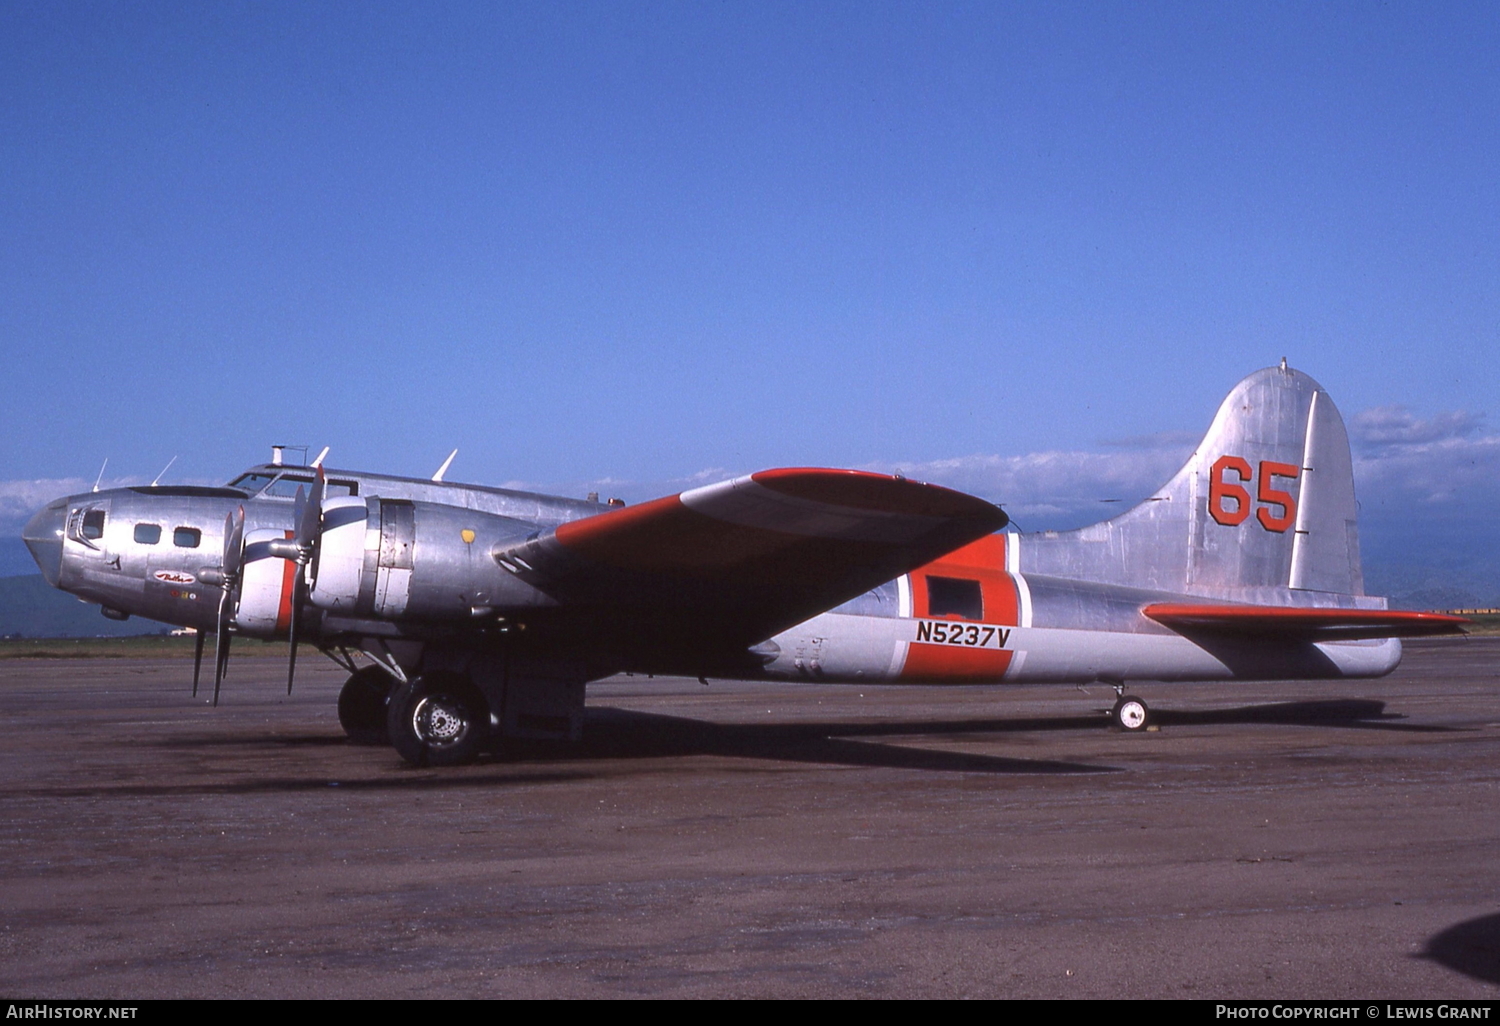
43, 535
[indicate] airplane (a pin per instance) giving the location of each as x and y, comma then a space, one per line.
483, 613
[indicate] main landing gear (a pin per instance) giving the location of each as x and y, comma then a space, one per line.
362, 705
1130, 714
438, 719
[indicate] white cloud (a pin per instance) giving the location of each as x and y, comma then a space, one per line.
1456, 471
1396, 425
1403, 465
20, 499
1439, 465
1056, 484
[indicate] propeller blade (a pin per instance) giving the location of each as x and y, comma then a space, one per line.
221, 644
234, 544
223, 669
299, 512
234, 554
309, 517
299, 592
197, 658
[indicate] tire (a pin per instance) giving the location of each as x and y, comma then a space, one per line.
1131, 715
362, 706
438, 719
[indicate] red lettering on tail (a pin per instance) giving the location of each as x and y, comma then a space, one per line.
1219, 489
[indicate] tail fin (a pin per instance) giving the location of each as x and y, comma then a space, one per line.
1264, 506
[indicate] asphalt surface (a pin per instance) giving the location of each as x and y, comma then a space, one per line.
1334, 840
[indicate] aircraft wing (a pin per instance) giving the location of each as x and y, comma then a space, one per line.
1302, 623
720, 568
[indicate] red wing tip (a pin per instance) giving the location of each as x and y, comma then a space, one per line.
1299, 620
1303, 614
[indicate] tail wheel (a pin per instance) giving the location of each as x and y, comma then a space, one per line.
1130, 714
362, 706
438, 719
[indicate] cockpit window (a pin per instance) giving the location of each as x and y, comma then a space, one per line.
93, 524
187, 537
147, 534
284, 486
252, 483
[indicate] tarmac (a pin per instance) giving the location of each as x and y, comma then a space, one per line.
1286, 840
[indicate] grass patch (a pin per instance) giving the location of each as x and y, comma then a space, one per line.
147, 646
1484, 623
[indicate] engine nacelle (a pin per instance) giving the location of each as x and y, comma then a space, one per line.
400, 559
265, 606
341, 554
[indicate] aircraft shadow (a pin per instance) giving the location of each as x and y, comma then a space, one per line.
626, 734
623, 734
1357, 713
1471, 947
433, 780
611, 733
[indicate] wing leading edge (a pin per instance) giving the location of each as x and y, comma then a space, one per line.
1302, 623
728, 565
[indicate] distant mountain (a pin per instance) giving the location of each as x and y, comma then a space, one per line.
31, 608
1427, 562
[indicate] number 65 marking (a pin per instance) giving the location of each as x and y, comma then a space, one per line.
1219, 489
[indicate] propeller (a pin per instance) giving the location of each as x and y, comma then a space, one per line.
198, 639
234, 551
308, 514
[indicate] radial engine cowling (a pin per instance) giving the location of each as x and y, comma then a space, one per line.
400, 559
265, 603
341, 554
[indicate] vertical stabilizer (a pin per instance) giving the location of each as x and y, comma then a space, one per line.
1263, 508
1325, 550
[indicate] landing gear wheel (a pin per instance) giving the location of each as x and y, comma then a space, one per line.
1130, 714
362, 706
438, 719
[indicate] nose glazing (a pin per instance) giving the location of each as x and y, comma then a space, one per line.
43, 535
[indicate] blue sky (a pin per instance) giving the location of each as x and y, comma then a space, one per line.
642, 243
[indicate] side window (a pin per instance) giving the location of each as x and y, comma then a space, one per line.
954, 595
93, 524
147, 534
187, 537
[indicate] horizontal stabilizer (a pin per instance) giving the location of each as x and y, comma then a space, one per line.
730, 564
1302, 623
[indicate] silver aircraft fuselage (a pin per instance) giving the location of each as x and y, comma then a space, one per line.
143, 550
504, 604
148, 552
